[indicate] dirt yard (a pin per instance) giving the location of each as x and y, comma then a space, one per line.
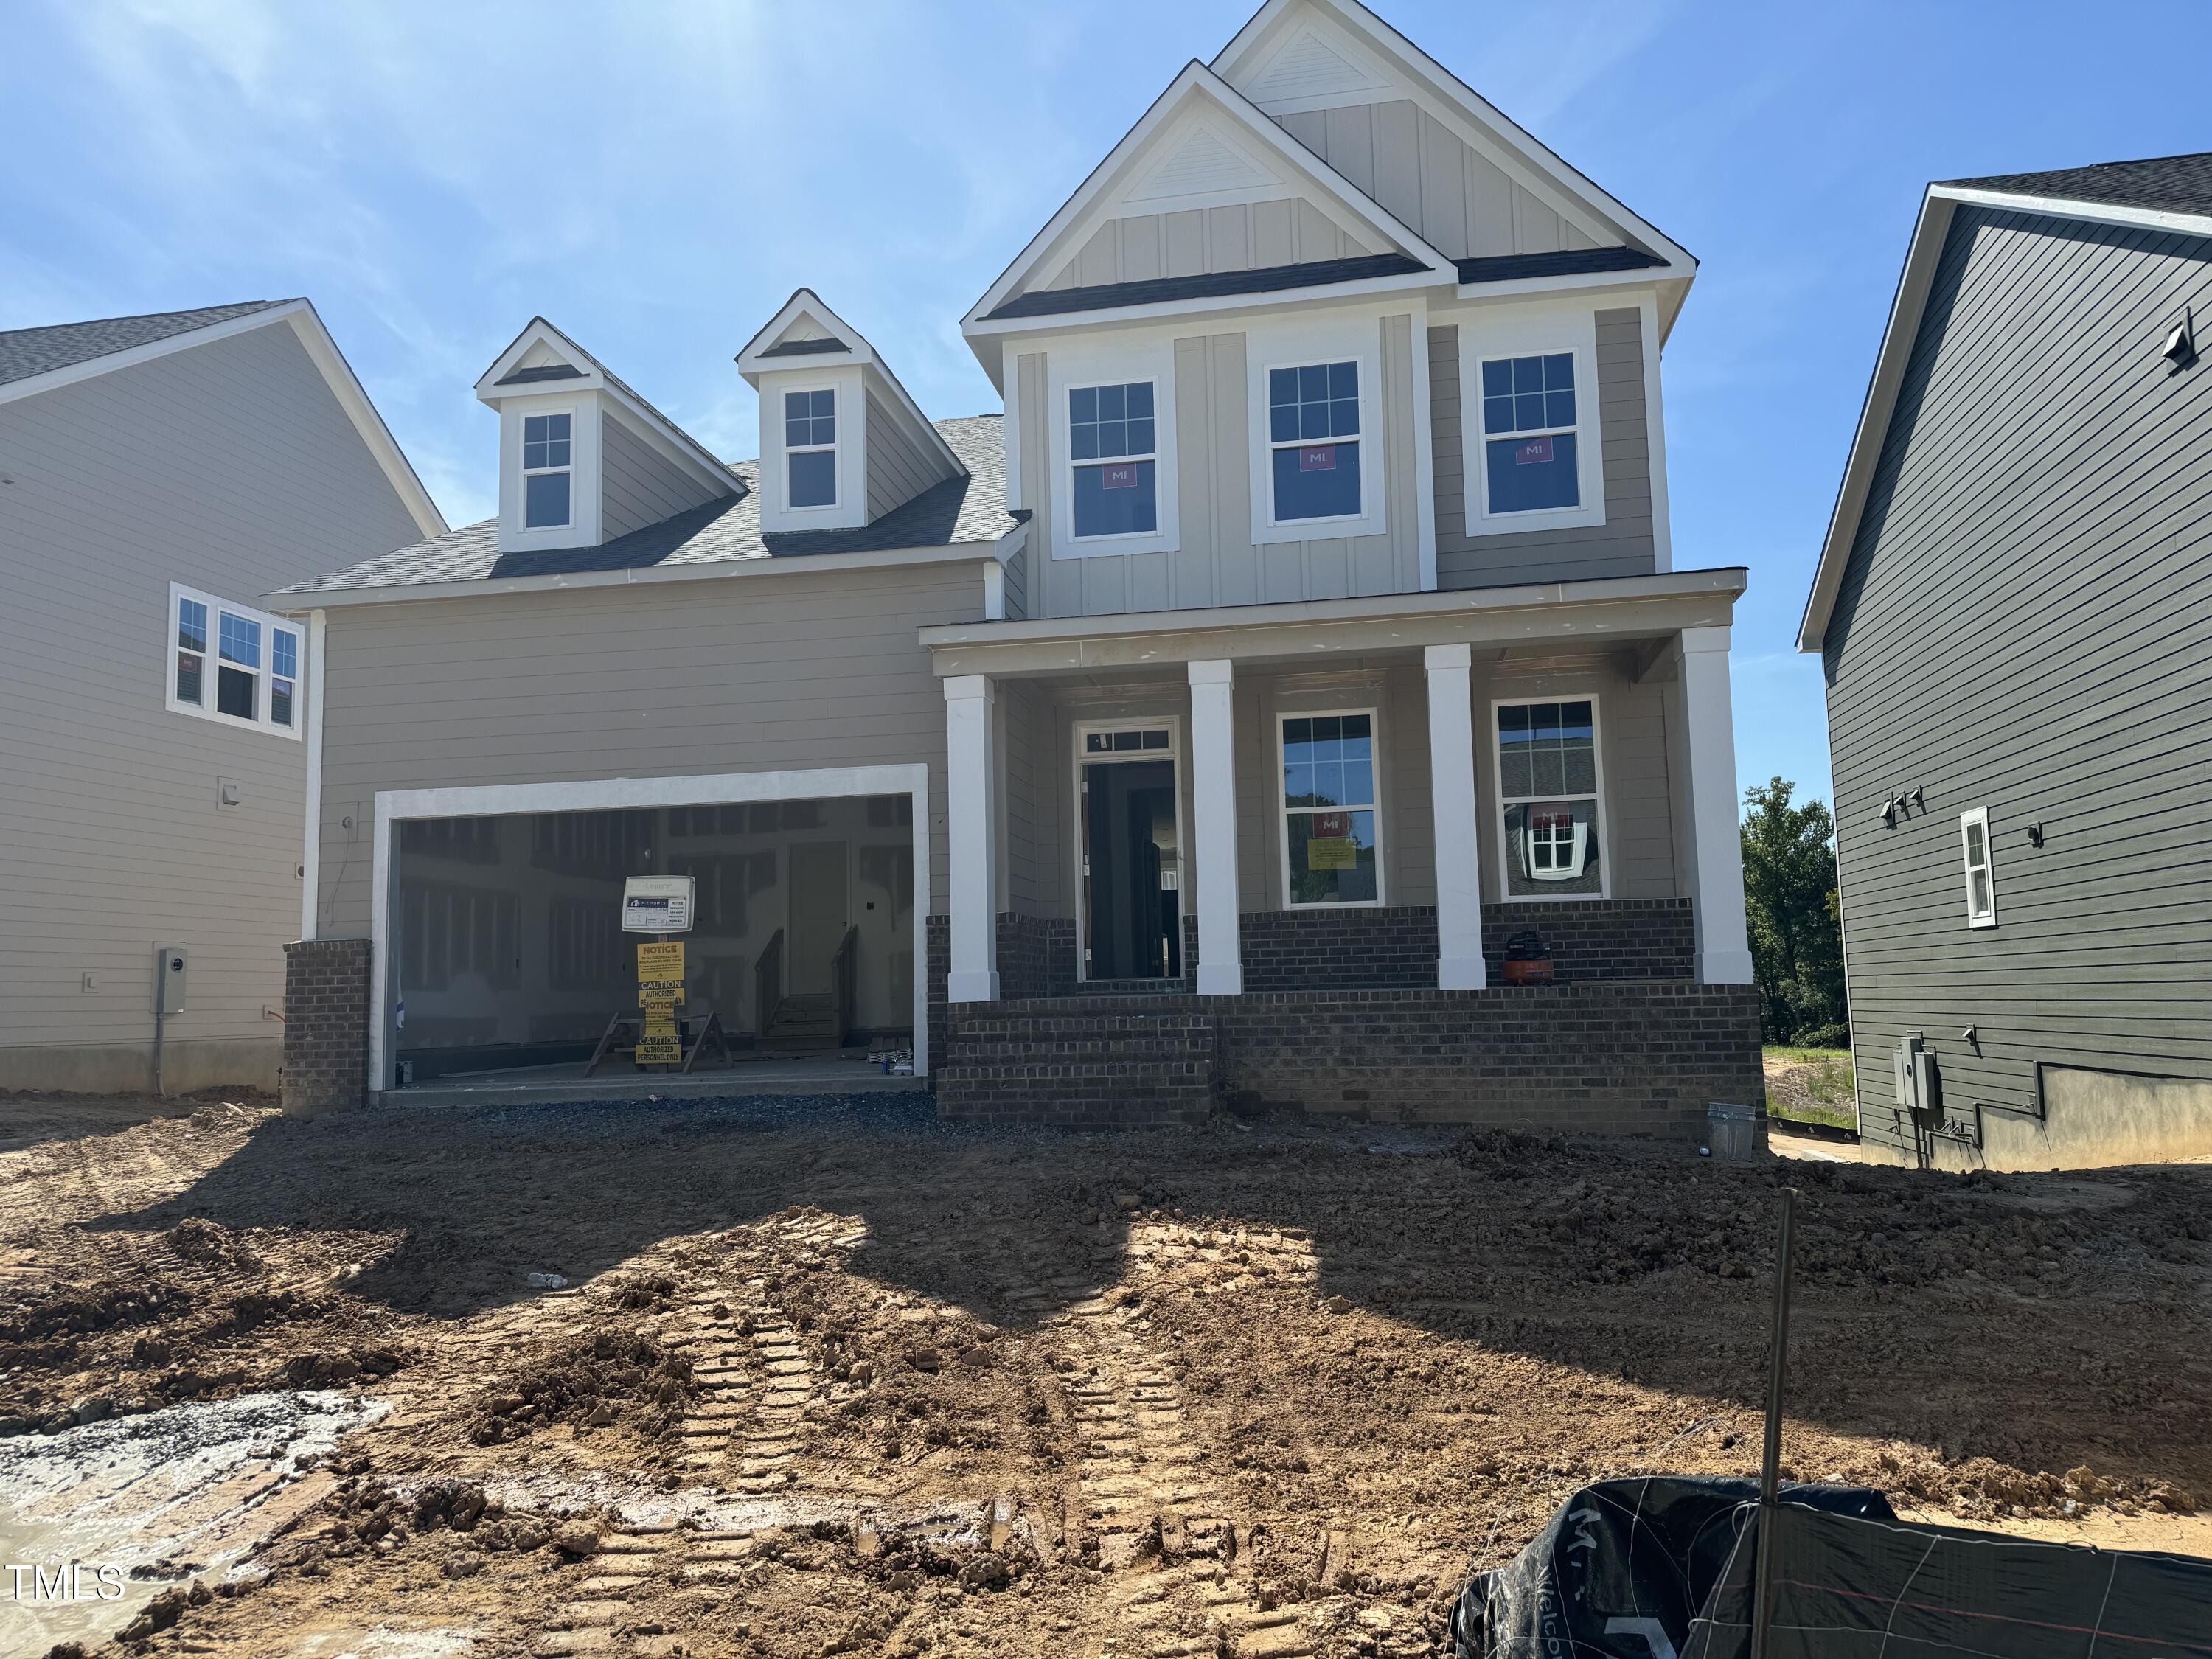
824, 1379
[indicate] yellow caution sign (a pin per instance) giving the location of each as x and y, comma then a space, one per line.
660, 995
660, 1051
660, 964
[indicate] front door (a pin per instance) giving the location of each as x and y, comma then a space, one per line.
1132, 901
818, 913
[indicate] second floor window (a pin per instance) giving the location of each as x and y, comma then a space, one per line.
1313, 431
1529, 431
1111, 447
231, 663
810, 447
546, 446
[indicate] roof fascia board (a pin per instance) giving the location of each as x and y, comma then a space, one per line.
1593, 612
1633, 282
1062, 322
1196, 80
322, 350
859, 349
1922, 255
292, 605
536, 330
1475, 121
2061, 207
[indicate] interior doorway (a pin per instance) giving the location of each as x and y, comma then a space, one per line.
1132, 855
820, 912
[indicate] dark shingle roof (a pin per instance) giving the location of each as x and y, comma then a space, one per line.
27, 351
962, 509
1053, 301
1511, 267
543, 372
805, 348
2165, 184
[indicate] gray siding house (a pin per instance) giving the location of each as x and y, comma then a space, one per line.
158, 474
1304, 639
2014, 609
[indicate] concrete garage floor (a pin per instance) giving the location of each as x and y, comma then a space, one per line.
847, 1073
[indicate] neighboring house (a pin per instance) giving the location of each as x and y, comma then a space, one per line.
2015, 624
157, 475
1305, 638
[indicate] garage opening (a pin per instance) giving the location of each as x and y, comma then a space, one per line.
510, 955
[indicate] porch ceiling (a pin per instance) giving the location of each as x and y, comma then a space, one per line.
1619, 612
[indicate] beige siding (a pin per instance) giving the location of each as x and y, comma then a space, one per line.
1245, 236
799, 669
1017, 600
1414, 165
1621, 546
1217, 562
899, 468
228, 467
639, 486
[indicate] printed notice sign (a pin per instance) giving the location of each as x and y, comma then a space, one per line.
661, 963
1332, 852
657, 904
660, 1051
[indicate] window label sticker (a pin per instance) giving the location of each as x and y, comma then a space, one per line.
1118, 477
1322, 458
1536, 452
1332, 852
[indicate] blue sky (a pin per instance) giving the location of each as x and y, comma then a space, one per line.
656, 178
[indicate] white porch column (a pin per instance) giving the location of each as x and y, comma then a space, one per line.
1213, 839
1451, 785
970, 845
1724, 946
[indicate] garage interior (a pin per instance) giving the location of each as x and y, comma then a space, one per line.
511, 959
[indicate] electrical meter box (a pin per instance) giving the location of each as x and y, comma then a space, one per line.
169, 964
1919, 1085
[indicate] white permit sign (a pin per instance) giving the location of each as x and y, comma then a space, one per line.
657, 904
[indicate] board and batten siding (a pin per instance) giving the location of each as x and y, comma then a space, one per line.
799, 669
1217, 562
1622, 546
230, 467
899, 468
1195, 242
639, 487
2024, 624
1455, 199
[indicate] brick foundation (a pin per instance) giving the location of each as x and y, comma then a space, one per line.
326, 1015
1618, 1056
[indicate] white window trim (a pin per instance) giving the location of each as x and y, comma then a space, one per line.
1283, 808
1112, 363
264, 676
1599, 800
838, 413
1300, 344
529, 472
1173, 755
1528, 332
582, 529
850, 510
1114, 541
1979, 816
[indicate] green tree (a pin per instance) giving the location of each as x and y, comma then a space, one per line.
1790, 902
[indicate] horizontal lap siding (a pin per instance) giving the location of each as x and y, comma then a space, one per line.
2023, 625
1621, 546
638, 486
230, 467
898, 469
788, 671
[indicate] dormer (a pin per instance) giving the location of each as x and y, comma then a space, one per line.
582, 458
842, 443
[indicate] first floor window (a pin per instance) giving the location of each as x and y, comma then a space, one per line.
1981, 878
231, 662
1112, 446
547, 444
810, 447
1547, 784
1313, 431
1530, 432
1329, 809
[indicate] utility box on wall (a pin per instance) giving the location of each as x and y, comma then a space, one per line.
169, 964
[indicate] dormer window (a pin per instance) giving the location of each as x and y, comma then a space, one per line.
546, 448
810, 447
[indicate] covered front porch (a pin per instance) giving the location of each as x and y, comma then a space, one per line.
1178, 844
